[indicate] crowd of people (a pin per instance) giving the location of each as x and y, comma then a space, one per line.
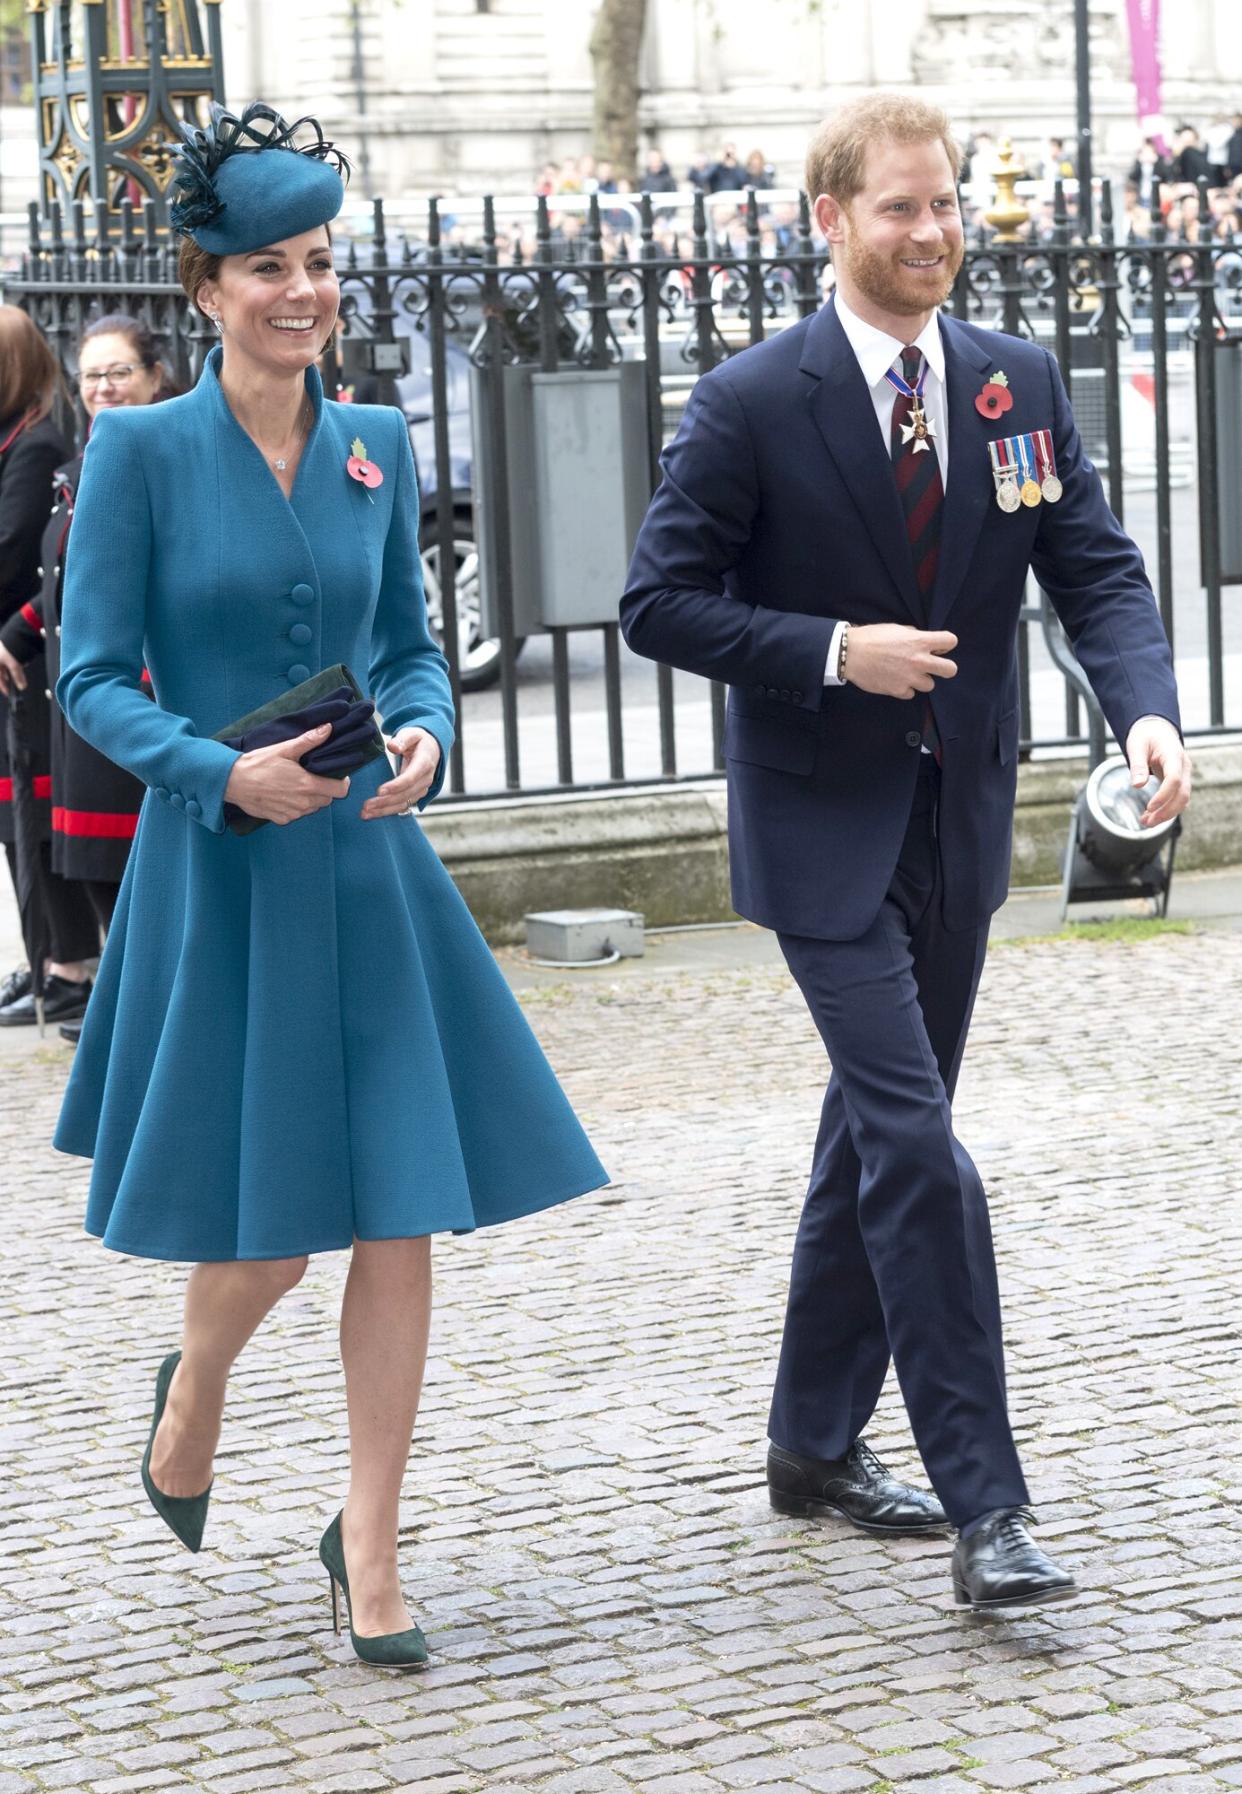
1160, 186
1160, 181
1164, 180
726, 172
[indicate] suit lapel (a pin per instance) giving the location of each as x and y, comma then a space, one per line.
970, 485
842, 409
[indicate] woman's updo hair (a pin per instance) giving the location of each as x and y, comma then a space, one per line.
194, 266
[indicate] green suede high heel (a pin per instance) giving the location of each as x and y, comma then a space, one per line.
399, 1650
186, 1515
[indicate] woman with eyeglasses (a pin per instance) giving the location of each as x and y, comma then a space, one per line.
94, 804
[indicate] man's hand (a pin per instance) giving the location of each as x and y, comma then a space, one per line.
12, 673
893, 660
1154, 746
420, 757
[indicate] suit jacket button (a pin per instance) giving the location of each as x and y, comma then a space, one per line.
161, 791
772, 692
193, 809
300, 634
797, 697
302, 594
786, 693
177, 801
297, 673
58, 629
913, 738
47, 694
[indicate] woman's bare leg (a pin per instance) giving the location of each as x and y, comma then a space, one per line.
385, 1321
224, 1303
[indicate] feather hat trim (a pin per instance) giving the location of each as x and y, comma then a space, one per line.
198, 204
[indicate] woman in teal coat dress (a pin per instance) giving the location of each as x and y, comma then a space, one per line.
298, 1041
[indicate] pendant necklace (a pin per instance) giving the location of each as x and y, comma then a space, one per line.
280, 463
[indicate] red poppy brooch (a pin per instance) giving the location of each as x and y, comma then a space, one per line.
359, 468
996, 398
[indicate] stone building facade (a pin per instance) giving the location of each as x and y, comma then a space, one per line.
471, 95
466, 96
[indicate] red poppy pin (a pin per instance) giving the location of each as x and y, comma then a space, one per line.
359, 468
996, 398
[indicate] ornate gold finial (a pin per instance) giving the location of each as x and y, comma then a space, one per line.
1008, 211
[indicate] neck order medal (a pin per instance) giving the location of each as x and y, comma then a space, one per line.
920, 430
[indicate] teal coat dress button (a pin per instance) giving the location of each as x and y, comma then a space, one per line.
297, 672
300, 634
332, 958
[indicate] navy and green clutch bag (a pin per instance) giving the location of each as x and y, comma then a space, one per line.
332, 696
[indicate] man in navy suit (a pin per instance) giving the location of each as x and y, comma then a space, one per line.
843, 532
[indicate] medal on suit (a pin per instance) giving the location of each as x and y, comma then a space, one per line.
920, 429
1030, 492
1049, 485
1005, 473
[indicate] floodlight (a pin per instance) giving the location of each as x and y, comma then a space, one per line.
1110, 854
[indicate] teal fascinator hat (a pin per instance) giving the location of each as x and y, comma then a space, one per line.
246, 182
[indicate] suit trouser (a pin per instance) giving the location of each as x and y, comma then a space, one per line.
894, 1250
71, 912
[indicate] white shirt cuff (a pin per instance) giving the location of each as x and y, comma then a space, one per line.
834, 656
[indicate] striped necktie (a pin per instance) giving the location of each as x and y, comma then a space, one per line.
922, 500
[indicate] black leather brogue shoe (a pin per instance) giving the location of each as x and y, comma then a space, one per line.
1000, 1565
857, 1487
17, 984
62, 1000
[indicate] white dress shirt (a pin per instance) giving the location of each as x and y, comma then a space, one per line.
876, 353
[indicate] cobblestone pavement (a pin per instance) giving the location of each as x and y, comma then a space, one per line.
611, 1603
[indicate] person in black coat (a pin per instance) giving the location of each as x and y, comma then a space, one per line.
1150, 170
1235, 147
699, 174
1190, 162
657, 177
93, 803
31, 448
728, 175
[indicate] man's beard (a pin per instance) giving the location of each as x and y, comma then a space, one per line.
889, 286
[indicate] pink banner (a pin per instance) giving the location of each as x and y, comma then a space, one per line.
1143, 17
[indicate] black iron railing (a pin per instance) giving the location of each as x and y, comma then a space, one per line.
433, 322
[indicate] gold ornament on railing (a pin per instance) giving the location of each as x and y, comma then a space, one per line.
114, 80
1008, 213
